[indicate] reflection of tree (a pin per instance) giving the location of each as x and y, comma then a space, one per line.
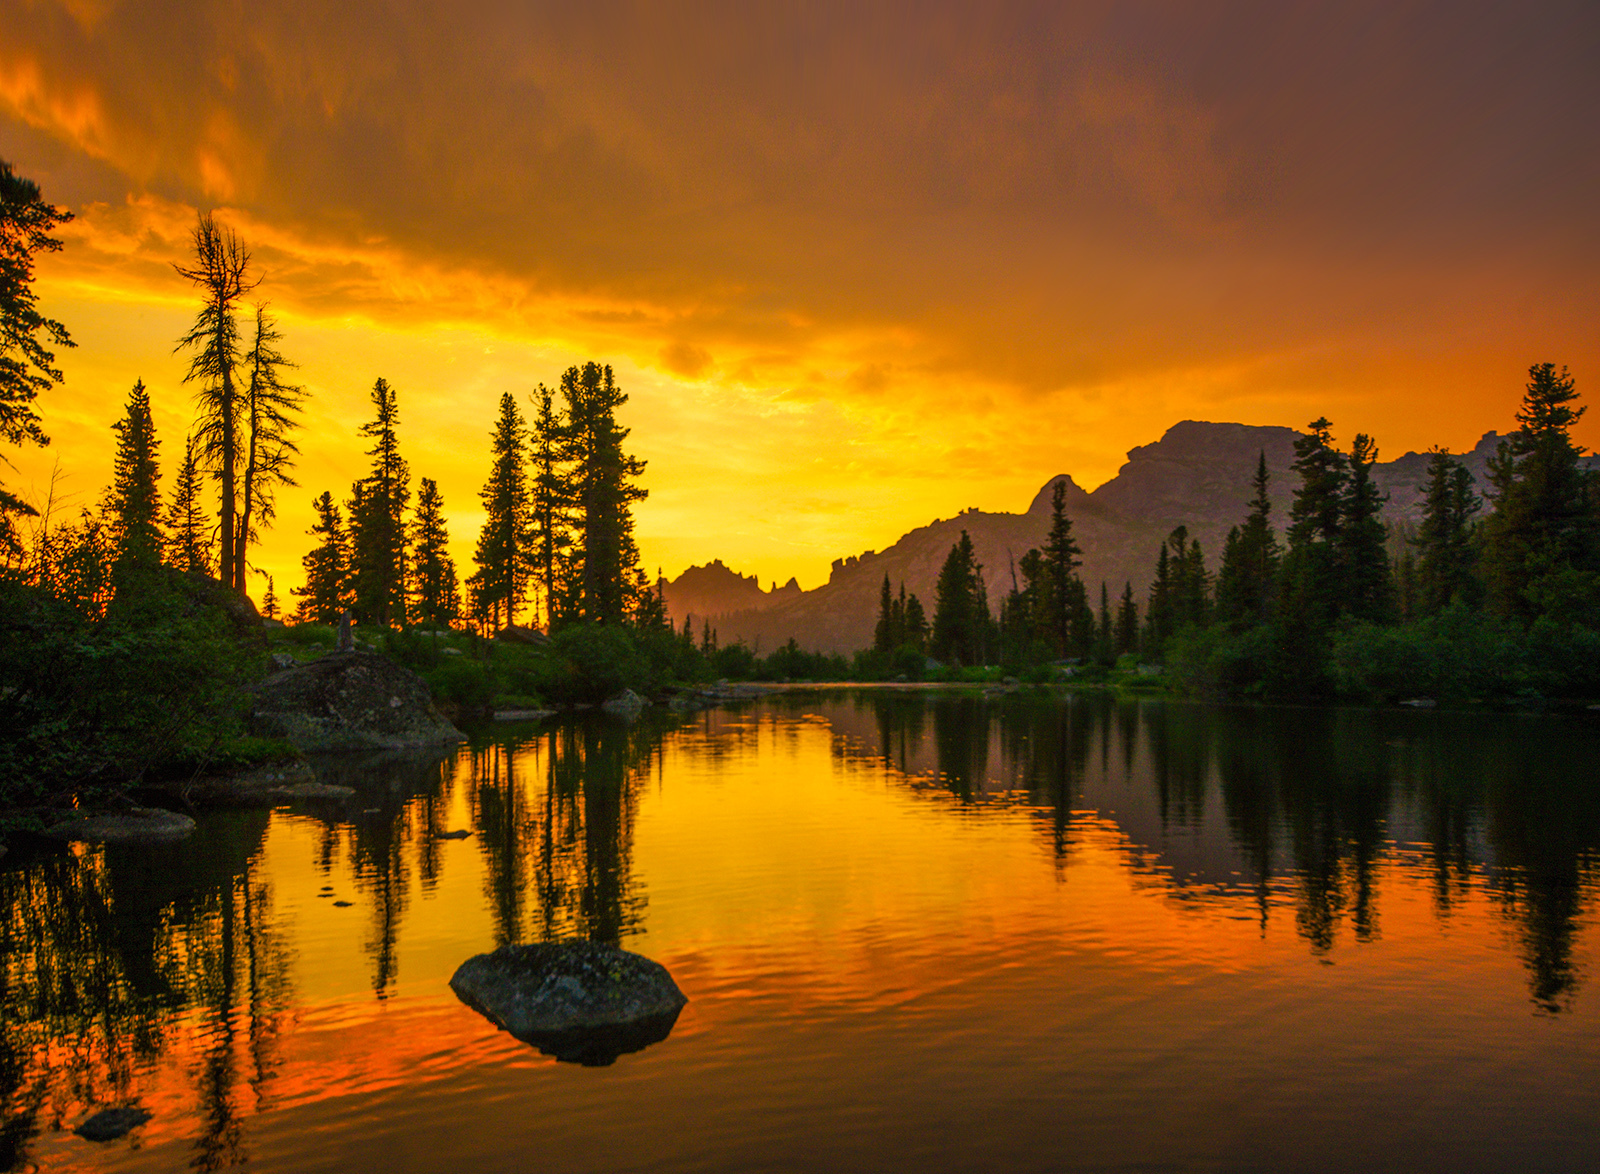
1046, 747
1179, 738
87, 997
961, 740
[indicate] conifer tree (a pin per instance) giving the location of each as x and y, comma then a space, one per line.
1247, 580
134, 502
222, 273
377, 519
325, 595
433, 571
188, 535
1443, 567
1064, 600
1127, 621
27, 367
1367, 580
961, 609
505, 544
1542, 543
1159, 619
916, 622
268, 409
883, 632
550, 502
1310, 582
602, 491
1105, 637
269, 601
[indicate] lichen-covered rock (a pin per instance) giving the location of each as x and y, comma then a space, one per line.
627, 704
349, 701
582, 1002
137, 825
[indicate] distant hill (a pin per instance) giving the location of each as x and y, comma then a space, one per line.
1197, 475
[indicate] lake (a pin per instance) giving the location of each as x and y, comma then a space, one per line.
918, 931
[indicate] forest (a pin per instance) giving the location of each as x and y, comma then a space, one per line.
121, 623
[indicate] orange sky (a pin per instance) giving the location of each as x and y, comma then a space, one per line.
859, 266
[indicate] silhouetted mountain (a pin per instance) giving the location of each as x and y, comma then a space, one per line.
1197, 475
714, 590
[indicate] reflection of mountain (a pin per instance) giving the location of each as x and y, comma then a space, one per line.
1279, 806
1197, 475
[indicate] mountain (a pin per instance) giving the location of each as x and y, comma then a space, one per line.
1197, 475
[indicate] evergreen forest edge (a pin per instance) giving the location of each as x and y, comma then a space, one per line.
122, 650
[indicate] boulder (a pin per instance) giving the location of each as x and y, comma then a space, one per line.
110, 1124
259, 786
137, 825
513, 634
279, 661
522, 715
626, 704
349, 701
582, 1002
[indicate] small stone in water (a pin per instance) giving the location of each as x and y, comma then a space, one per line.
342, 904
110, 1124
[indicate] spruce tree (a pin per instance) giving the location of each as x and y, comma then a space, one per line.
916, 623
883, 631
1542, 543
1105, 637
27, 367
269, 601
134, 502
222, 273
1127, 621
961, 609
505, 551
1064, 599
550, 501
325, 595
1310, 584
602, 491
1247, 580
1364, 563
377, 520
188, 534
1442, 571
268, 410
437, 599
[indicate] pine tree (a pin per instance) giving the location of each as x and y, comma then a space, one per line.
1443, 567
1064, 601
916, 622
27, 367
1127, 621
961, 610
550, 502
1310, 581
134, 502
267, 417
505, 545
1542, 543
222, 272
269, 601
602, 492
188, 536
377, 520
883, 632
325, 594
433, 572
1159, 618
1367, 580
1247, 581
1105, 636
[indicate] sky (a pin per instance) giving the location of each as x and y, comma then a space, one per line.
857, 265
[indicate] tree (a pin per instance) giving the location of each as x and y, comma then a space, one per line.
377, 519
222, 273
916, 622
550, 501
883, 633
505, 545
1127, 621
1444, 551
1542, 543
1105, 638
433, 572
270, 405
1368, 585
27, 366
188, 536
1064, 601
961, 608
325, 595
1248, 577
134, 502
269, 601
602, 492
1309, 594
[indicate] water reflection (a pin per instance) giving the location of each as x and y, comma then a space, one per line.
116, 961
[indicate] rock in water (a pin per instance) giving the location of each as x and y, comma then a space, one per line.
349, 701
137, 825
626, 704
582, 1002
110, 1124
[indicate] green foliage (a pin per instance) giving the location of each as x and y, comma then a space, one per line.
600, 660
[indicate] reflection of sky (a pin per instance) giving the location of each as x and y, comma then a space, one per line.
872, 962
837, 251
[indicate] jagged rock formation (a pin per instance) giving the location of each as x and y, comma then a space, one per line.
1197, 475
714, 590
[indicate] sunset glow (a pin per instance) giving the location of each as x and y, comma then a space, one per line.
857, 268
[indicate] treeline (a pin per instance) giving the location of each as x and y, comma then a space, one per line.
1488, 599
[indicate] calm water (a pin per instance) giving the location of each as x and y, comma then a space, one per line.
917, 932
